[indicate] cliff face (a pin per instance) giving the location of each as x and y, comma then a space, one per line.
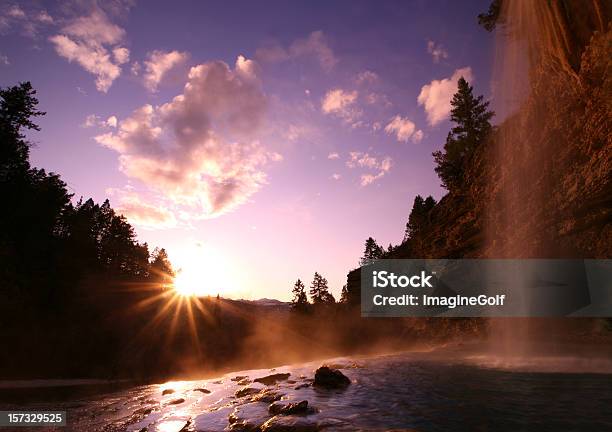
550, 195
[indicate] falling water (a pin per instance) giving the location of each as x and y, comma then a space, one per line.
537, 43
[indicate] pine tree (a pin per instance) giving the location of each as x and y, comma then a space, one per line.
344, 295
161, 269
319, 292
299, 301
418, 216
471, 116
372, 251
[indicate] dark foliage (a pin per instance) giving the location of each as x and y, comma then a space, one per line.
472, 126
371, 252
489, 20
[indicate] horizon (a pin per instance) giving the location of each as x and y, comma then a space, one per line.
282, 183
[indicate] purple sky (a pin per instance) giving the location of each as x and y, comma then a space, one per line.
258, 142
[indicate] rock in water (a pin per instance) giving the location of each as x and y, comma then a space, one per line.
167, 392
330, 378
246, 391
272, 379
203, 390
299, 408
289, 424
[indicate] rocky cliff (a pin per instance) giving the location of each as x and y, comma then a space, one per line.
549, 195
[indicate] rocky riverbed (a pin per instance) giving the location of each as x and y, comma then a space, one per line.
412, 391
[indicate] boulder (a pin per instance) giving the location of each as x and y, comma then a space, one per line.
289, 424
329, 378
203, 390
267, 396
296, 408
167, 392
272, 379
246, 391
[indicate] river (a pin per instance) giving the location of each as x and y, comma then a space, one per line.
408, 391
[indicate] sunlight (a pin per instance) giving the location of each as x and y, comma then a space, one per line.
202, 271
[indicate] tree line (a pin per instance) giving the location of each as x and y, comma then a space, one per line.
319, 295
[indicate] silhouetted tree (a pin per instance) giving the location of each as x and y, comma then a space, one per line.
17, 110
490, 19
372, 251
319, 291
344, 295
471, 116
161, 270
299, 301
418, 216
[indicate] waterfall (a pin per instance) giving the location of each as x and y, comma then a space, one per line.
538, 50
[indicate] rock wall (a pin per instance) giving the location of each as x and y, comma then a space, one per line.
561, 197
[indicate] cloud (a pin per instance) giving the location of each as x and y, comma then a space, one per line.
93, 120
366, 77
158, 64
336, 176
142, 213
380, 166
315, 45
28, 20
403, 129
93, 42
436, 96
4, 60
437, 51
333, 155
199, 151
341, 103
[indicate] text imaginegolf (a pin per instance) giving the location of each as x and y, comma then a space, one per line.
450, 302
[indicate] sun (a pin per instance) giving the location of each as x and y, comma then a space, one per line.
203, 271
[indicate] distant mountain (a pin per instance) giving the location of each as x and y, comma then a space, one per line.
267, 302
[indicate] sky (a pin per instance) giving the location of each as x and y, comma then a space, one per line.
257, 142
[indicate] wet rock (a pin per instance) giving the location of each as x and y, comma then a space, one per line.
296, 408
239, 378
246, 391
176, 401
203, 390
167, 392
302, 386
289, 424
267, 396
248, 417
244, 382
326, 377
272, 379
291, 381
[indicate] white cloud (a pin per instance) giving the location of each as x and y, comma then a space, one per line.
315, 45
28, 20
199, 151
141, 212
366, 77
436, 96
4, 60
403, 129
93, 120
437, 51
93, 42
158, 64
342, 104
111, 122
379, 166
14, 11
333, 155
336, 176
